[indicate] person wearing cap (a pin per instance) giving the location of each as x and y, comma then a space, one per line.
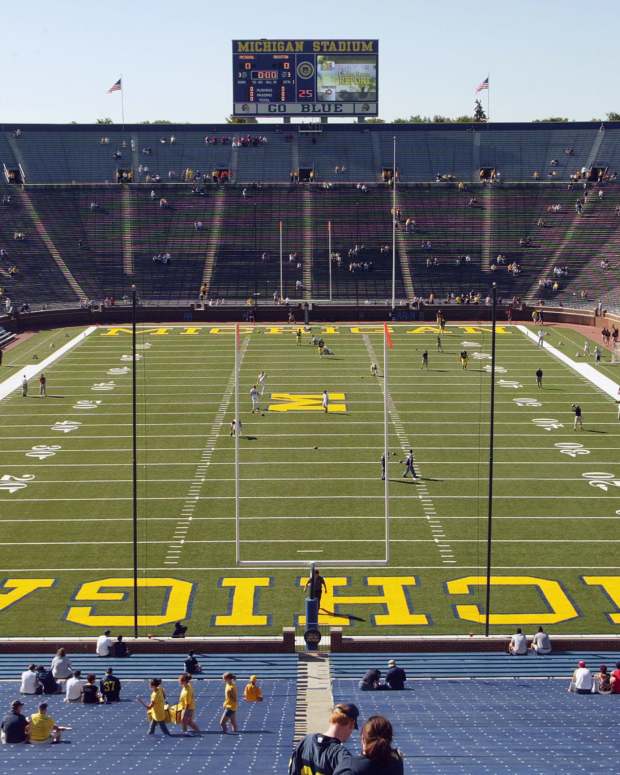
42, 728
325, 753
14, 727
582, 681
187, 704
229, 716
395, 677
252, 691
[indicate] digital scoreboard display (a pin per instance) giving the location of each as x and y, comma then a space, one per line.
305, 77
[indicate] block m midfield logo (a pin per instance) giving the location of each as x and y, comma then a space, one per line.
307, 402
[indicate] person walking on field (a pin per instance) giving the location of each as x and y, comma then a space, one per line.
254, 397
25, 388
262, 377
578, 422
43, 386
425, 359
409, 469
539, 378
325, 401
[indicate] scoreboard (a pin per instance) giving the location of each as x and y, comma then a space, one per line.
305, 77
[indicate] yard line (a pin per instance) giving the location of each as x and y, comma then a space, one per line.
326, 566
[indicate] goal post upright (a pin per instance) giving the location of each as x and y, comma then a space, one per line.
236, 435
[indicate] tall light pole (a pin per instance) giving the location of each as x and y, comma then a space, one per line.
394, 227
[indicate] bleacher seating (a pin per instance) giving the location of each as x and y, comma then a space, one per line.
493, 726
110, 739
72, 251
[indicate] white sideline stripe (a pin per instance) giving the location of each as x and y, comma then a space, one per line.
301, 497
14, 382
326, 564
590, 373
443, 547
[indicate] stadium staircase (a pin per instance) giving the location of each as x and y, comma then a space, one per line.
215, 232
127, 220
308, 244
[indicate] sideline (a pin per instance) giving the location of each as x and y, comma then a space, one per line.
14, 382
603, 383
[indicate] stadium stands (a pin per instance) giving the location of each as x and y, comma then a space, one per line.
82, 251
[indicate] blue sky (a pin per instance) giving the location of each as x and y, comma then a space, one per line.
545, 57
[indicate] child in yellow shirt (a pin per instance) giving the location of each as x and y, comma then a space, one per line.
252, 691
229, 716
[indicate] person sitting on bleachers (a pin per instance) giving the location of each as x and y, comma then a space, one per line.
602, 680
110, 687
30, 683
252, 691
180, 629
581, 681
73, 687
518, 644
378, 757
61, 666
47, 680
90, 691
395, 677
14, 727
372, 677
541, 643
42, 728
192, 666
163, 203
119, 649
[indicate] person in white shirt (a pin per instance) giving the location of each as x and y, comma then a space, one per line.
541, 337
254, 396
582, 680
30, 683
541, 643
262, 377
325, 401
104, 644
518, 644
73, 687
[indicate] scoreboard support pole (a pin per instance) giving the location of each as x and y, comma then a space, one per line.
394, 228
281, 279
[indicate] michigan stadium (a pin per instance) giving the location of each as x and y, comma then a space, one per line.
310, 413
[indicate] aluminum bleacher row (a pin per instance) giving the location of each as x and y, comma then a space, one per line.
72, 251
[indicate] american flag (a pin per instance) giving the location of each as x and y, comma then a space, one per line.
116, 87
484, 85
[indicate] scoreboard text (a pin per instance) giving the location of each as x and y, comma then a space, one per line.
305, 77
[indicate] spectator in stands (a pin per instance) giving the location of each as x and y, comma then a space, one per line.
119, 649
615, 680
518, 644
252, 691
14, 726
325, 753
179, 629
110, 687
42, 729
61, 666
378, 757
47, 680
395, 677
73, 687
104, 644
191, 664
602, 680
372, 677
581, 681
541, 643
90, 691
30, 683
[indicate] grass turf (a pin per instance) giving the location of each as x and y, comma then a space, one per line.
310, 482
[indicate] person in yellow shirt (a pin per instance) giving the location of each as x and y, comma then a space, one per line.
229, 716
42, 728
187, 703
252, 691
155, 710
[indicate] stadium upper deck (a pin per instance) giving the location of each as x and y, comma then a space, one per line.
95, 153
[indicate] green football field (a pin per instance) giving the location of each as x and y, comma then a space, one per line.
310, 484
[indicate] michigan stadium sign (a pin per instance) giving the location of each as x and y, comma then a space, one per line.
305, 77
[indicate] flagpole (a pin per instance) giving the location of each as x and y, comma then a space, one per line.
394, 228
123, 101
386, 489
489, 98
237, 432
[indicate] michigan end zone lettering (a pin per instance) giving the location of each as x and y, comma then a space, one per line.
390, 601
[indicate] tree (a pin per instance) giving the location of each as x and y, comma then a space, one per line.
241, 120
550, 120
157, 121
480, 117
105, 121
374, 121
613, 116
